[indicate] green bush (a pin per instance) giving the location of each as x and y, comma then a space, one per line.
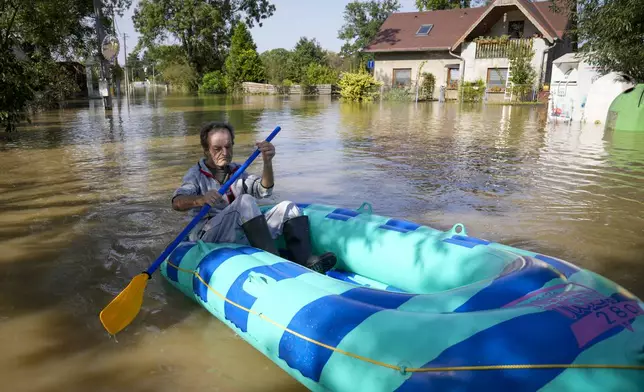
472, 91
427, 86
181, 77
359, 86
284, 87
213, 83
397, 94
521, 92
319, 74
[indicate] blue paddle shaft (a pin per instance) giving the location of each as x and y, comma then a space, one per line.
206, 207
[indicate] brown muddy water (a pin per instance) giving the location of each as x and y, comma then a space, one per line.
85, 206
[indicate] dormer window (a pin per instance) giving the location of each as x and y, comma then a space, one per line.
424, 29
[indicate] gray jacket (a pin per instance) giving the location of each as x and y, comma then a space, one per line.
199, 180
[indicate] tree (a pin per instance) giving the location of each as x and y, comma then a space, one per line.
521, 64
523, 74
204, 28
612, 33
135, 66
433, 5
243, 63
276, 65
362, 20
319, 74
179, 76
306, 51
35, 37
337, 62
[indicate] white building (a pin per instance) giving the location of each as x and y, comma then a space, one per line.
468, 44
578, 91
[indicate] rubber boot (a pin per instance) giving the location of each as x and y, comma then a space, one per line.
298, 242
258, 234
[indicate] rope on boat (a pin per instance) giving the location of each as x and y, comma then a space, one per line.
404, 369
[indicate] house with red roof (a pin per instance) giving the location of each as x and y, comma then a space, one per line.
468, 44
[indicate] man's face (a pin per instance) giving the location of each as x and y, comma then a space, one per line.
220, 150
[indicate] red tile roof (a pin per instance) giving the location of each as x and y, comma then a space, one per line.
398, 32
558, 21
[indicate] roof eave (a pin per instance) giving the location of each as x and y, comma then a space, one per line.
429, 49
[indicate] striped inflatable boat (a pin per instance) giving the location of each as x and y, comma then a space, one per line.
409, 308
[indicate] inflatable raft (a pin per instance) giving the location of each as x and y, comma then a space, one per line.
412, 308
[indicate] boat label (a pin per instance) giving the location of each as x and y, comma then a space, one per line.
593, 313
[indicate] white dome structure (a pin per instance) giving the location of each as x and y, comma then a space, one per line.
601, 94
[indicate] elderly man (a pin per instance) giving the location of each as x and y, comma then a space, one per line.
235, 217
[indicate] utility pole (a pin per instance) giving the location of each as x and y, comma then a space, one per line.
104, 68
127, 84
154, 87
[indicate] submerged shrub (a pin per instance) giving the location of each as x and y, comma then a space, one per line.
358, 86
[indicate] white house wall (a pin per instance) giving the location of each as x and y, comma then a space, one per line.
437, 63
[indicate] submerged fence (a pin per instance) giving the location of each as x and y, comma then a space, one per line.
295, 89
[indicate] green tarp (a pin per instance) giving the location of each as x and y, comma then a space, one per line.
626, 113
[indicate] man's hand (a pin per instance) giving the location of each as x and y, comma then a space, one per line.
267, 150
211, 197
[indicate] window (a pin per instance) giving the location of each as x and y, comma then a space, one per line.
515, 29
496, 78
402, 77
424, 29
453, 75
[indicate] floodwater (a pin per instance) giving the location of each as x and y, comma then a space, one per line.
85, 206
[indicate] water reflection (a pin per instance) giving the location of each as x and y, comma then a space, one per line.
85, 205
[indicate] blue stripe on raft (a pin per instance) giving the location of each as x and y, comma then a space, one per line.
565, 268
510, 287
395, 289
538, 338
302, 205
236, 293
338, 217
468, 242
211, 262
345, 211
328, 320
473, 240
401, 224
175, 258
342, 275
393, 228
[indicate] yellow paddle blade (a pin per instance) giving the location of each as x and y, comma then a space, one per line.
124, 308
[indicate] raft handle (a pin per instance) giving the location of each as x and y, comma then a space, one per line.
459, 229
365, 207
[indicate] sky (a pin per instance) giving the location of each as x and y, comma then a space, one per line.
292, 19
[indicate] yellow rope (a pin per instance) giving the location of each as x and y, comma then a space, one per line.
403, 369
